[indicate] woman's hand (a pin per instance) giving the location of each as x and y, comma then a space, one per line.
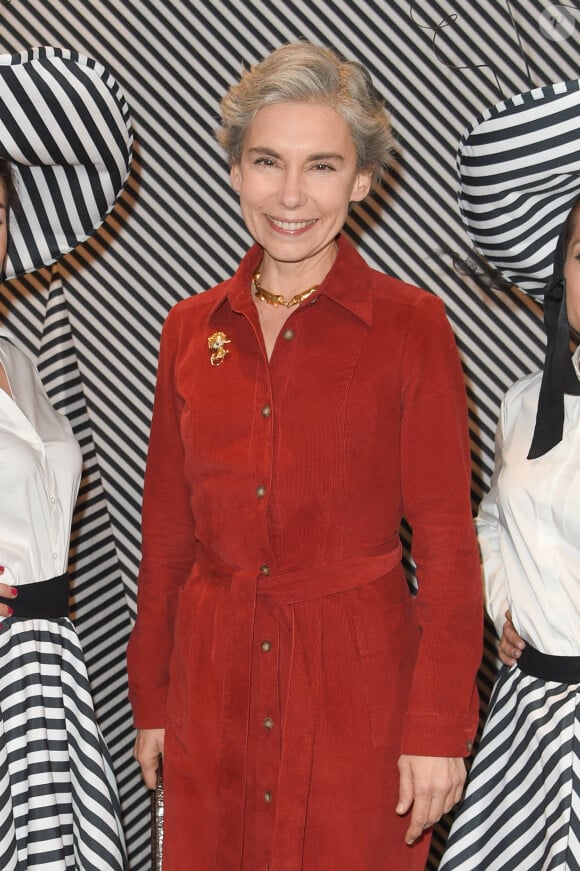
148, 748
431, 785
511, 644
6, 592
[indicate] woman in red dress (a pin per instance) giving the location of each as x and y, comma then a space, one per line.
311, 712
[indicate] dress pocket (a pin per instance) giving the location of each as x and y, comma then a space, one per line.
387, 641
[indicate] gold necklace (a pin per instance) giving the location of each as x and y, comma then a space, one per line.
277, 298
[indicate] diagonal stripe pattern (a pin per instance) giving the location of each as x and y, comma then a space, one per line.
520, 810
98, 603
176, 230
65, 126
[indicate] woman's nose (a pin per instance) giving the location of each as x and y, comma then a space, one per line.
292, 189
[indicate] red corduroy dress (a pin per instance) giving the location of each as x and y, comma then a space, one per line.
276, 639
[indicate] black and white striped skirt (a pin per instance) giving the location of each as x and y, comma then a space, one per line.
521, 810
58, 799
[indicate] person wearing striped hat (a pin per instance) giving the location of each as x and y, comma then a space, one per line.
65, 150
519, 167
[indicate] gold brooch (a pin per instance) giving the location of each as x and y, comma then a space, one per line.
218, 352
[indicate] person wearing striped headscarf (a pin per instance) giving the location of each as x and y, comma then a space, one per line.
521, 810
63, 131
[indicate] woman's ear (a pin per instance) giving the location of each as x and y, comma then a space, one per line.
362, 185
236, 177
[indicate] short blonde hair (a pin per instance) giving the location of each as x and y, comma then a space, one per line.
301, 72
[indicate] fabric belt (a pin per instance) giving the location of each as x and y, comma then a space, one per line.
563, 669
43, 599
247, 588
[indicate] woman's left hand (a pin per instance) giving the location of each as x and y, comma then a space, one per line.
431, 785
6, 592
148, 749
511, 643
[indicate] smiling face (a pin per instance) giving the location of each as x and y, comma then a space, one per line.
296, 177
572, 274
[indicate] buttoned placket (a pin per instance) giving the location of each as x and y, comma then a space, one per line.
548, 537
50, 484
54, 516
265, 717
262, 743
264, 738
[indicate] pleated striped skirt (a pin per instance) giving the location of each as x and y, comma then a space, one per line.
58, 799
521, 810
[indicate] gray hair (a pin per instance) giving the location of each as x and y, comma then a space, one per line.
301, 72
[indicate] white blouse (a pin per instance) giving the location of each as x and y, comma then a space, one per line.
529, 526
40, 468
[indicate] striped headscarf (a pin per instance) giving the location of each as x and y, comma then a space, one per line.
519, 175
66, 130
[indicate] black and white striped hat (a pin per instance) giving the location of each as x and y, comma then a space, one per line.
519, 170
519, 174
66, 129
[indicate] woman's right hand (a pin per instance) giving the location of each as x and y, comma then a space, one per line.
511, 644
148, 749
6, 592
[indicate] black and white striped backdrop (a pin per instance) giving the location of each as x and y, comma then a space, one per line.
176, 231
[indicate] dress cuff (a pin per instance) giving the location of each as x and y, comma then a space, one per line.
149, 707
439, 734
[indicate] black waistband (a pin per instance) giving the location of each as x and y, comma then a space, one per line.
563, 669
48, 599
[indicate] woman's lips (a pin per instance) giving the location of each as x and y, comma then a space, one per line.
291, 227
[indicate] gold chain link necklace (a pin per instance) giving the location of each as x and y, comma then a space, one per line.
277, 298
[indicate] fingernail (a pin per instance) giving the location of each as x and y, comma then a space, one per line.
14, 591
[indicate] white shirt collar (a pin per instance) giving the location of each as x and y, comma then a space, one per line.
576, 361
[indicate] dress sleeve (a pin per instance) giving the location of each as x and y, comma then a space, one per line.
443, 711
168, 546
488, 531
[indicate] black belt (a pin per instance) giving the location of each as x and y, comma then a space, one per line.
563, 669
48, 599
